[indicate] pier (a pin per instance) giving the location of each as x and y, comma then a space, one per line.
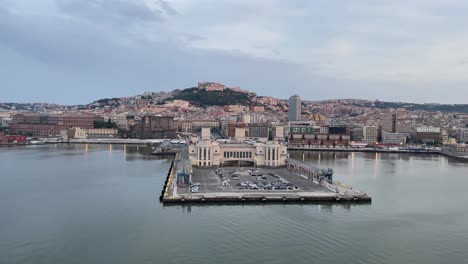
297, 182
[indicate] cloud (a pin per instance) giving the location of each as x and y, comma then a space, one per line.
122, 11
320, 49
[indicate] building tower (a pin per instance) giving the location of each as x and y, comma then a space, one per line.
294, 113
389, 124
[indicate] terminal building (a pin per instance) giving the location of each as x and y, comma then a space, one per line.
206, 152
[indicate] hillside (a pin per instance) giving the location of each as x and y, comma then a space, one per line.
204, 98
461, 108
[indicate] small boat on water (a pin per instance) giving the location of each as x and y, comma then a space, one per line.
37, 142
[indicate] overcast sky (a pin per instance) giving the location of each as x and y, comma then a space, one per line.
76, 51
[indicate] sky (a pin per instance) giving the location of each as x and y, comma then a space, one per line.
77, 51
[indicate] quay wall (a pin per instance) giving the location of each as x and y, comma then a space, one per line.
263, 199
167, 183
366, 150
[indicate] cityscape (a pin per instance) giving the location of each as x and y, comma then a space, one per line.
231, 112
234, 131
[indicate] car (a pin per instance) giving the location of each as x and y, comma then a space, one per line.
195, 184
259, 179
195, 190
264, 177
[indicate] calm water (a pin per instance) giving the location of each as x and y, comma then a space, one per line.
78, 204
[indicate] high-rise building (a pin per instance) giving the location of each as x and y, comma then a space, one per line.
389, 124
371, 134
294, 113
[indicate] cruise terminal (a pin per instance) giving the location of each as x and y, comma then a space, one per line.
241, 171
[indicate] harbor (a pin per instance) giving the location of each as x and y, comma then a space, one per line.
296, 182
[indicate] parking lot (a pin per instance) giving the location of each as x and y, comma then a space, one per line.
246, 180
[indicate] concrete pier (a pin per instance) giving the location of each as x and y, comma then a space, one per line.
295, 183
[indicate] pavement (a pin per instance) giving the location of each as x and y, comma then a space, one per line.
212, 185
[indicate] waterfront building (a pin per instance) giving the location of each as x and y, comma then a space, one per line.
5, 122
370, 134
356, 133
76, 133
295, 108
389, 124
394, 138
156, 127
68, 120
317, 136
463, 135
92, 133
455, 150
3, 139
12, 139
428, 134
219, 153
79, 120
102, 133
37, 130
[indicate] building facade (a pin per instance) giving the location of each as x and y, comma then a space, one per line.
156, 127
68, 120
259, 131
214, 153
295, 107
463, 135
389, 124
211, 86
456, 150
428, 134
37, 130
394, 138
102, 133
317, 136
370, 134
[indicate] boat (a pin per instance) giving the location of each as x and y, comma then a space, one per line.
37, 142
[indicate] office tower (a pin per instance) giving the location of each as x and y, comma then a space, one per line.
294, 113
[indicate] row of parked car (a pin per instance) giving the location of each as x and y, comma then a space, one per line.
274, 186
